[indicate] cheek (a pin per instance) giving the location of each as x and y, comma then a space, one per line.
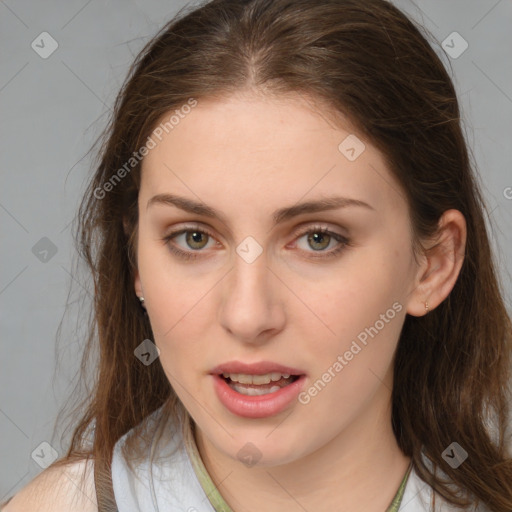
176, 301
351, 359
362, 290
362, 311
173, 291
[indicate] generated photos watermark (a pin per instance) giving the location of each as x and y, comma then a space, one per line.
137, 156
344, 359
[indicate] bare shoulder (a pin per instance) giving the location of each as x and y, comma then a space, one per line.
67, 488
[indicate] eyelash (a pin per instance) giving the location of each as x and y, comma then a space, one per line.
190, 255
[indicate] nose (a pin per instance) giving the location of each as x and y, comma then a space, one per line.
251, 307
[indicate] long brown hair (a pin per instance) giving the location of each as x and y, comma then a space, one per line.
368, 61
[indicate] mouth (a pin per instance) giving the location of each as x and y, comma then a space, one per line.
258, 385
257, 390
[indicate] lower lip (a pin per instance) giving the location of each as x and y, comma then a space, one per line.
257, 406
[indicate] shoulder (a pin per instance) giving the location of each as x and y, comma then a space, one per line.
67, 488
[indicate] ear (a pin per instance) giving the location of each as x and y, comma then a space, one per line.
137, 284
440, 265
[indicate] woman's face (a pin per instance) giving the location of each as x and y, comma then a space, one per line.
289, 249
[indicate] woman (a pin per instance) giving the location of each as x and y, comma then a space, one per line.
296, 303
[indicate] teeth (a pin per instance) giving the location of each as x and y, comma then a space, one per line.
254, 391
244, 378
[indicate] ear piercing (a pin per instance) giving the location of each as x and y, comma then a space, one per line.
426, 307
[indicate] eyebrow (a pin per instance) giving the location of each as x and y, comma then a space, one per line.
281, 215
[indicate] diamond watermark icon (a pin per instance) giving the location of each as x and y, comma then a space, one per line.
248, 249
146, 352
351, 147
45, 455
44, 250
44, 45
249, 455
455, 455
455, 45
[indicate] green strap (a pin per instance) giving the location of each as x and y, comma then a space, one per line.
397, 500
217, 501
210, 489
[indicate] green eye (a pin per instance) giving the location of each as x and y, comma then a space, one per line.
188, 243
196, 239
322, 241
319, 241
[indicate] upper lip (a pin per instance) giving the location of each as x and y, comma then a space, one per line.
259, 368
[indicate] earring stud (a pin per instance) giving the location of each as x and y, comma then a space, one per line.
426, 307
142, 302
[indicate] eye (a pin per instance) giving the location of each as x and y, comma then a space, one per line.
320, 239
195, 239
191, 239
188, 242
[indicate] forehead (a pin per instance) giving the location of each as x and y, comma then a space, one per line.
248, 149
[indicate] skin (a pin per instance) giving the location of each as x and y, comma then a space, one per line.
246, 156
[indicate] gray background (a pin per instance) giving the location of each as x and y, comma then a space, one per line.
53, 109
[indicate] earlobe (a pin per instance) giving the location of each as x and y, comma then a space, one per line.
139, 291
437, 276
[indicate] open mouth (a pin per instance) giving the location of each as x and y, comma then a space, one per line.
258, 390
257, 385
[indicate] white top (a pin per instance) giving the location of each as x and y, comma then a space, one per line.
174, 485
